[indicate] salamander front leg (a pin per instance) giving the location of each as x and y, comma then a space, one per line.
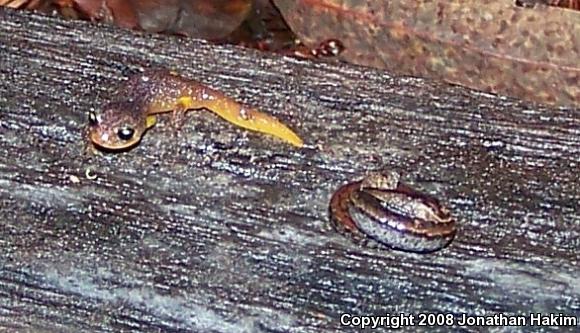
178, 115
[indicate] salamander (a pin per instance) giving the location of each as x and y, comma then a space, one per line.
382, 209
121, 123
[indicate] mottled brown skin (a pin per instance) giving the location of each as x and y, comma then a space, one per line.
121, 123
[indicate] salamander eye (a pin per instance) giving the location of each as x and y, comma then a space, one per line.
125, 133
93, 118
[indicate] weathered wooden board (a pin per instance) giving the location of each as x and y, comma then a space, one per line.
220, 230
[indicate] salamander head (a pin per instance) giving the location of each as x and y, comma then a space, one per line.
116, 126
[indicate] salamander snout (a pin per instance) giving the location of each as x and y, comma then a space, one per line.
114, 127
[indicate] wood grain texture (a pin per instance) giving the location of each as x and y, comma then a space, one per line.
220, 230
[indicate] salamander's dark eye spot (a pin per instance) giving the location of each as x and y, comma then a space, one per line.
93, 118
125, 133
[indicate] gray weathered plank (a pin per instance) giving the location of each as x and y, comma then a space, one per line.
219, 230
